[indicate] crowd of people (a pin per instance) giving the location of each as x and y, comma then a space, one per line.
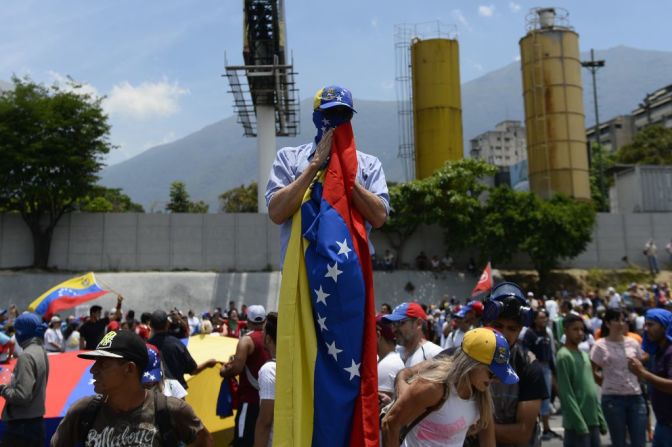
439, 368
578, 342
133, 357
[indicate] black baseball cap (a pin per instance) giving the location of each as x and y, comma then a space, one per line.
125, 345
159, 319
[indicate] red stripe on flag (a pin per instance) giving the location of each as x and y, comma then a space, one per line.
68, 302
342, 171
65, 372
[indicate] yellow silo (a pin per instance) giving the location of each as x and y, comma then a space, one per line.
554, 116
437, 105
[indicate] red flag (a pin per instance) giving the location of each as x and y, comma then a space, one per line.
485, 283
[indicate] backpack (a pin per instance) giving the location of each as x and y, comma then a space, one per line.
161, 419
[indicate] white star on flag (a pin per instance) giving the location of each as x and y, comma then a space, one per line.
353, 370
334, 351
343, 248
321, 296
333, 272
325, 121
321, 321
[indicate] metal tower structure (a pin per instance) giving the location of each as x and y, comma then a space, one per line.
266, 99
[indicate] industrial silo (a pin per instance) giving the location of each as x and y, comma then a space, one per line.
554, 116
437, 105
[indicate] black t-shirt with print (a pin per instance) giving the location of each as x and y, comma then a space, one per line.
135, 428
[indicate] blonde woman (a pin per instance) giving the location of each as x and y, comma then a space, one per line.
449, 398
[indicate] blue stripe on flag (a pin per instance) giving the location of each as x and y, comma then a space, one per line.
338, 297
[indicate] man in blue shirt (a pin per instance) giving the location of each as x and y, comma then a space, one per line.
295, 168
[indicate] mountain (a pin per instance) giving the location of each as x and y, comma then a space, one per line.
217, 157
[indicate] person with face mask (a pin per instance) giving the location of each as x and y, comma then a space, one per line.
658, 344
25, 394
295, 168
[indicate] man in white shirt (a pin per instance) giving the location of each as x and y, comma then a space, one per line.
389, 361
615, 300
552, 308
53, 337
263, 431
409, 320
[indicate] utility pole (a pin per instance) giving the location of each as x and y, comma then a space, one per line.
593, 65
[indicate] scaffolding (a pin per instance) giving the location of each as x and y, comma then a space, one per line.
266, 78
271, 85
404, 35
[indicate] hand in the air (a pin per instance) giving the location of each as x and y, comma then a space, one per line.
323, 149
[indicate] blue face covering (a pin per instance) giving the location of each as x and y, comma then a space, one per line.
662, 317
27, 326
322, 124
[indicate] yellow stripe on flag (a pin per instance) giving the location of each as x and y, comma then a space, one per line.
296, 348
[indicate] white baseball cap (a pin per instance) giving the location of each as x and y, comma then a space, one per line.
256, 313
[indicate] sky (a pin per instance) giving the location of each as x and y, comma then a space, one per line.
160, 63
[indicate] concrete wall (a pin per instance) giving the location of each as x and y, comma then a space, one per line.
130, 241
250, 242
201, 291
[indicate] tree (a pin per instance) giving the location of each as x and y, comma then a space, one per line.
52, 143
547, 230
601, 161
450, 198
561, 229
242, 199
180, 201
651, 146
179, 198
407, 211
199, 207
108, 200
453, 199
505, 224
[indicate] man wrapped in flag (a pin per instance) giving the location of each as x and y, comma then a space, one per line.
327, 196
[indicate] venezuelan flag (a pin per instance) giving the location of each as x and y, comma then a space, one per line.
67, 295
326, 390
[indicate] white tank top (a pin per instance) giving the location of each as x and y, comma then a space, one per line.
446, 426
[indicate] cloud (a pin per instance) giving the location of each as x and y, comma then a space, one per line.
147, 100
486, 10
461, 19
374, 22
516, 58
514, 7
477, 66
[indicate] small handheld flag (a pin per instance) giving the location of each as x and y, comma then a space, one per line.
67, 295
485, 283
